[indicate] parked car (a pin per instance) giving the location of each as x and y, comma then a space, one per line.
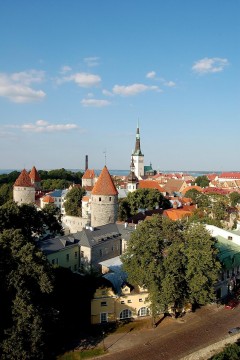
231, 304
234, 330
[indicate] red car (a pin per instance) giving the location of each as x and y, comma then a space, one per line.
231, 304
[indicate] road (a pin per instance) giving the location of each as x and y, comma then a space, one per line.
173, 339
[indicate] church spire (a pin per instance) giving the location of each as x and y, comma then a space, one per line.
137, 150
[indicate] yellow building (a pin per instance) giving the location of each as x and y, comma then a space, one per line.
109, 304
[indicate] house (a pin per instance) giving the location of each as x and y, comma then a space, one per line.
175, 186
115, 299
62, 251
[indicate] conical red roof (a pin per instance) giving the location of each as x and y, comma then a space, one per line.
89, 174
104, 184
34, 175
23, 179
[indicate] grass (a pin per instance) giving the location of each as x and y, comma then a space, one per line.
79, 355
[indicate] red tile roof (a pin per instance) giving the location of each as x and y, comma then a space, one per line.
176, 214
150, 184
48, 199
229, 175
34, 175
104, 184
89, 174
85, 198
23, 180
198, 188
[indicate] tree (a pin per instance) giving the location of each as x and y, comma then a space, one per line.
146, 199
27, 218
234, 198
73, 203
25, 276
176, 261
6, 193
123, 209
202, 181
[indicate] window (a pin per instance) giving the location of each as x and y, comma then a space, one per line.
103, 303
125, 314
140, 300
67, 257
110, 199
75, 254
100, 199
144, 311
129, 301
103, 317
122, 302
82, 254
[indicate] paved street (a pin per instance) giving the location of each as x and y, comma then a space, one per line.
174, 339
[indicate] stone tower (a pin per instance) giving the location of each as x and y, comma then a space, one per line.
132, 180
104, 200
138, 157
35, 178
23, 189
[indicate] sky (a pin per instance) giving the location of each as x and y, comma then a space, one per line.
76, 77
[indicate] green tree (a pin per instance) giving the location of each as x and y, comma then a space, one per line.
27, 218
202, 181
6, 193
234, 198
123, 209
25, 277
176, 261
146, 199
73, 203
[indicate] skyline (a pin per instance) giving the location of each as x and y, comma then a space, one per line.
76, 77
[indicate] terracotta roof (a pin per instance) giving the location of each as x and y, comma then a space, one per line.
174, 185
150, 184
229, 175
176, 214
215, 190
198, 188
23, 180
85, 198
34, 175
48, 199
104, 184
89, 174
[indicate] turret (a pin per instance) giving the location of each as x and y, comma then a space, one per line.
23, 189
104, 200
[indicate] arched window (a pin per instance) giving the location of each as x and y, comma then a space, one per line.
143, 311
125, 314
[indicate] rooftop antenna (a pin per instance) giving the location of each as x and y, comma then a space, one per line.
105, 156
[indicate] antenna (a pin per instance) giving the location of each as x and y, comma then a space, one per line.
105, 156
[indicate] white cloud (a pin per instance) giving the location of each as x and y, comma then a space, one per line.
170, 83
95, 102
91, 61
41, 126
82, 79
209, 65
107, 93
151, 75
133, 89
15, 87
65, 69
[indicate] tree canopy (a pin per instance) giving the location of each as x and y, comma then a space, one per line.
234, 198
202, 181
142, 199
73, 203
176, 261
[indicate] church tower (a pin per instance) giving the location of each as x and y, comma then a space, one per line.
138, 157
104, 200
132, 179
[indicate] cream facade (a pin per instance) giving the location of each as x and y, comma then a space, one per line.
131, 303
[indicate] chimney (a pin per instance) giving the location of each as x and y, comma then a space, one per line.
86, 162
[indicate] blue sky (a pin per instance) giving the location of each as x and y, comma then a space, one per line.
77, 75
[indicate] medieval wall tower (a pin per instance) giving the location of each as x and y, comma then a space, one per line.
104, 200
138, 157
23, 189
35, 178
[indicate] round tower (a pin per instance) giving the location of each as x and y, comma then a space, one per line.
104, 200
23, 189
